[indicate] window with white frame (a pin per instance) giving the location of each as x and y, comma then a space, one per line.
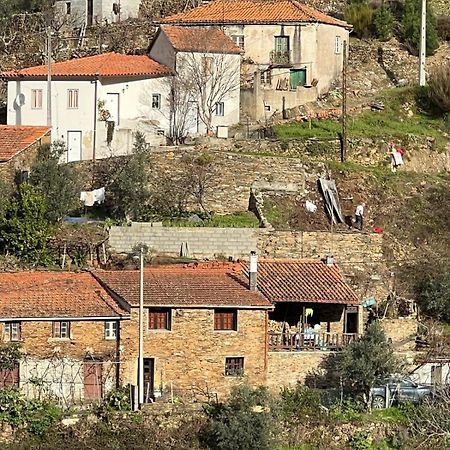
338, 45
111, 329
220, 109
61, 330
238, 39
12, 332
156, 101
266, 77
36, 99
72, 98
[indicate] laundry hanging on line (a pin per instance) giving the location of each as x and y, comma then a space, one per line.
91, 197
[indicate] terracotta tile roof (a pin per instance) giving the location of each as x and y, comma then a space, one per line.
15, 138
54, 294
303, 281
217, 285
200, 39
253, 12
104, 65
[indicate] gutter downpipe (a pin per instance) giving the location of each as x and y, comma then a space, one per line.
94, 137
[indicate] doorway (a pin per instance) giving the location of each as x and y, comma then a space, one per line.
149, 379
93, 386
351, 320
73, 146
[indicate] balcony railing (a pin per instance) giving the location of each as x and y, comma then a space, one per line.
280, 57
309, 341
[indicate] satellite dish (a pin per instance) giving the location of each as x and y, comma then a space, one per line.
19, 100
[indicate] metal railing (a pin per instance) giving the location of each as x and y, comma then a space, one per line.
309, 341
280, 57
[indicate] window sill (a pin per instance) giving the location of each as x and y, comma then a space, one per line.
56, 339
226, 331
158, 330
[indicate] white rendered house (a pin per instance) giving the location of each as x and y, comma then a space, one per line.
207, 66
97, 102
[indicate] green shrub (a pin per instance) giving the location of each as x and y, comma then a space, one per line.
301, 404
248, 421
360, 440
411, 27
361, 17
383, 22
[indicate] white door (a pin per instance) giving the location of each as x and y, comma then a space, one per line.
73, 146
112, 105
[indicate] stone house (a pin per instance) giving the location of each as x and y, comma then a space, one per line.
292, 53
68, 328
97, 102
207, 63
18, 149
77, 13
205, 330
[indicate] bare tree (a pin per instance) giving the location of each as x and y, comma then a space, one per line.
209, 78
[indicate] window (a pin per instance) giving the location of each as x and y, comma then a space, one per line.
220, 109
159, 319
234, 367
266, 77
36, 99
338, 45
238, 39
225, 319
12, 331
61, 330
156, 101
68, 8
281, 53
207, 63
72, 98
111, 329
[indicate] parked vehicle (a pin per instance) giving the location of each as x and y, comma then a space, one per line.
400, 390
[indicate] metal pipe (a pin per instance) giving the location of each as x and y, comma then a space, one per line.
423, 44
49, 76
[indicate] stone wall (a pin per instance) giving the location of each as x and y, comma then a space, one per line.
190, 358
288, 368
402, 332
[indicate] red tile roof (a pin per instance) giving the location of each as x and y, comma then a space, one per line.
303, 281
53, 295
205, 285
253, 12
200, 39
104, 65
16, 138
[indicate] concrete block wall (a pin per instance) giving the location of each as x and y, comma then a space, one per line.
201, 242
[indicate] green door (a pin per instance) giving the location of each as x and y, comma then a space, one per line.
298, 78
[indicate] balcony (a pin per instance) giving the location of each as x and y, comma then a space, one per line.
282, 58
309, 341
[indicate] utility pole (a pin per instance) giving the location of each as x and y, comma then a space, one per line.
423, 44
344, 102
141, 331
49, 76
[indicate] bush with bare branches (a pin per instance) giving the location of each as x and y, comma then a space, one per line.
440, 87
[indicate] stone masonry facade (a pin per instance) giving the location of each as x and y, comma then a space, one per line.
190, 358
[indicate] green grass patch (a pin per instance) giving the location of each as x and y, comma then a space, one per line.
388, 415
392, 122
243, 219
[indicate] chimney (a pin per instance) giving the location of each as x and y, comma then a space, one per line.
329, 261
253, 271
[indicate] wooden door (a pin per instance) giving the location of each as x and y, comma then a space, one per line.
149, 379
93, 386
9, 377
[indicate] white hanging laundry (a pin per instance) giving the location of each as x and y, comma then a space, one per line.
99, 195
